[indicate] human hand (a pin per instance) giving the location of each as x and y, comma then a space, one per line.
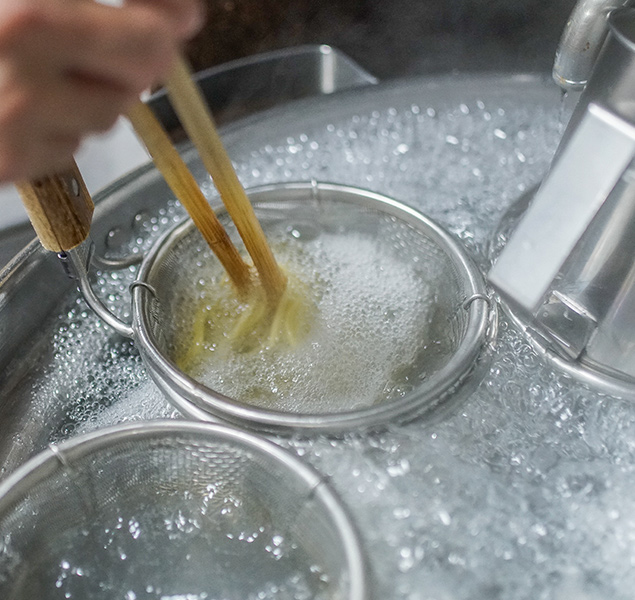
71, 67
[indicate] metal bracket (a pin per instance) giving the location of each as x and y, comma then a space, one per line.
76, 263
567, 323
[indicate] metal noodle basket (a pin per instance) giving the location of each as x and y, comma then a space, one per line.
395, 252
174, 510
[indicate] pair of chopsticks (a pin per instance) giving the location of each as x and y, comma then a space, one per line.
198, 123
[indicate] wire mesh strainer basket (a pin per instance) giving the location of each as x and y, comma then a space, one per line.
403, 315
174, 510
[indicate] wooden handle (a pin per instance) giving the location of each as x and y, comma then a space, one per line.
182, 182
59, 207
199, 125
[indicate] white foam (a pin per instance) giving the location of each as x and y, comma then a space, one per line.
373, 310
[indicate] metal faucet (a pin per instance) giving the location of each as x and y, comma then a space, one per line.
581, 42
569, 266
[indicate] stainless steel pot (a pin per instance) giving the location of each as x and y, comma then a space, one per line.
523, 491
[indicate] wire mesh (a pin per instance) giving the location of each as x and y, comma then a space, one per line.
169, 510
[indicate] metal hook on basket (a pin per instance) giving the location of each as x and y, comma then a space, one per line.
492, 326
144, 285
76, 263
59, 455
466, 303
315, 190
101, 262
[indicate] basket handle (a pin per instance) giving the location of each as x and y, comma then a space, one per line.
59, 207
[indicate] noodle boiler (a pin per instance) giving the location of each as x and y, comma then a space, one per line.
517, 483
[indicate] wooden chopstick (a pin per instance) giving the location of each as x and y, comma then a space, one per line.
186, 189
197, 120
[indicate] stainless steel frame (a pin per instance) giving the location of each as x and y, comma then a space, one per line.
567, 269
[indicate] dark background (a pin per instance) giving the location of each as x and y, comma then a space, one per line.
391, 38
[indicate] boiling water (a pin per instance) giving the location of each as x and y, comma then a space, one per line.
525, 492
182, 546
370, 305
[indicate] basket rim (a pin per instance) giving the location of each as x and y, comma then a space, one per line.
200, 402
33, 472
